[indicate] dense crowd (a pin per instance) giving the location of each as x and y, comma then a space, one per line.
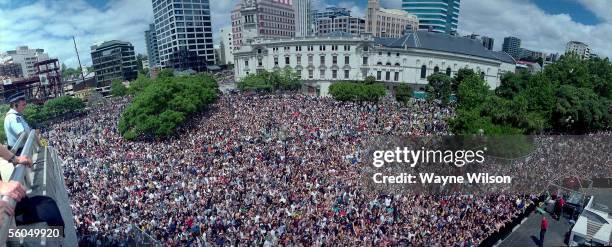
224, 76
265, 170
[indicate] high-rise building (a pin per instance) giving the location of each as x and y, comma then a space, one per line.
327, 13
436, 15
262, 18
152, 48
114, 60
346, 24
11, 70
487, 42
183, 26
388, 23
526, 53
512, 46
301, 9
580, 49
27, 57
226, 47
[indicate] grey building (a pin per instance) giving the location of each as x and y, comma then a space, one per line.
440, 16
152, 49
11, 70
487, 42
512, 46
113, 60
346, 24
329, 12
183, 25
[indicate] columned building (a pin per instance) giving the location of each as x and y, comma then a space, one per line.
435, 15
392, 23
407, 59
184, 25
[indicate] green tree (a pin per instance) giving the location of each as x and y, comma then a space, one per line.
138, 85
439, 87
473, 92
461, 75
359, 92
165, 73
370, 80
265, 82
403, 93
165, 104
118, 89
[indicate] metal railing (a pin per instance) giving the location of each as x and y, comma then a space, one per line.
21, 174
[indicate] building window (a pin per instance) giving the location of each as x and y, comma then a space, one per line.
335, 60
298, 59
321, 48
397, 64
388, 76
365, 60
298, 48
448, 71
322, 73
436, 69
347, 47
299, 74
346, 74
246, 63
378, 75
334, 74
346, 60
365, 48
275, 61
482, 75
310, 59
310, 73
334, 48
322, 60
310, 48
259, 62
258, 51
396, 76
423, 72
286, 60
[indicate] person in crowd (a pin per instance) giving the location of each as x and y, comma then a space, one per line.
543, 229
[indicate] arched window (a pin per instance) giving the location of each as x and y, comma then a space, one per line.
423, 72
436, 69
388, 64
397, 64
448, 71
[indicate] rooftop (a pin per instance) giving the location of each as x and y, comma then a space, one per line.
445, 43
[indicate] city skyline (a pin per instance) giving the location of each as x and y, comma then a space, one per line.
49, 25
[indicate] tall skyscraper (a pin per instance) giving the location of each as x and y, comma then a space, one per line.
152, 48
302, 17
226, 46
436, 15
388, 23
512, 46
262, 18
182, 26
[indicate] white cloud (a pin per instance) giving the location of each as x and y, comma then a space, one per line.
537, 29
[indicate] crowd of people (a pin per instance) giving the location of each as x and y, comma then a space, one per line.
265, 170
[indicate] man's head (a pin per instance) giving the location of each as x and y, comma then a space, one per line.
18, 101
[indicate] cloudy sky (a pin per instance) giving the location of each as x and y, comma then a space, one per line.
50, 24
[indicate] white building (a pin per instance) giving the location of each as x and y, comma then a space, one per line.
27, 57
578, 48
226, 47
302, 17
408, 59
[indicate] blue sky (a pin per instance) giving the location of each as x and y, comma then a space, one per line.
545, 25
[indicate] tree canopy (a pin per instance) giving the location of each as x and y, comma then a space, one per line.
357, 91
570, 96
166, 103
403, 93
264, 81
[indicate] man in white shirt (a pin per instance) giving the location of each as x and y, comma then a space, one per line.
14, 121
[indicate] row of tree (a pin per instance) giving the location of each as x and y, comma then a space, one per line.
37, 115
570, 96
266, 82
163, 104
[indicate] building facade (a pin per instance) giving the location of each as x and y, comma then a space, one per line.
226, 46
389, 23
152, 48
346, 24
326, 13
488, 42
580, 49
512, 46
436, 15
303, 21
262, 18
408, 59
183, 24
27, 58
11, 70
114, 60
